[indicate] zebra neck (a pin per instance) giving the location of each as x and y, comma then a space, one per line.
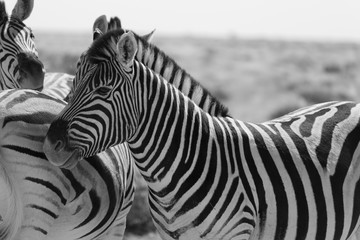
173, 134
6, 77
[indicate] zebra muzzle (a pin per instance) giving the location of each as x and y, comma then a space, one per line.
31, 70
59, 156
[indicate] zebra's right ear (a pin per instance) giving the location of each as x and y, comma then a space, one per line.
23, 9
100, 27
126, 49
3, 13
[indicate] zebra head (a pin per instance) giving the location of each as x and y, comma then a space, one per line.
103, 110
100, 27
19, 66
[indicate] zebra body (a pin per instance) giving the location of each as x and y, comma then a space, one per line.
295, 177
84, 203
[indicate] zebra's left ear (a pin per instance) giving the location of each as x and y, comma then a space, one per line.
23, 9
126, 49
100, 27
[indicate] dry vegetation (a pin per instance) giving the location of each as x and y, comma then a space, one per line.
256, 79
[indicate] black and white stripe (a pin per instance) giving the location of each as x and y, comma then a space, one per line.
296, 177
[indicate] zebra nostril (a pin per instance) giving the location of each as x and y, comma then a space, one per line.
59, 146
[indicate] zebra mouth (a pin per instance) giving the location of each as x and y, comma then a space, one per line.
72, 161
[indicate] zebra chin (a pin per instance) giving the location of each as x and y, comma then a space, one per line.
62, 158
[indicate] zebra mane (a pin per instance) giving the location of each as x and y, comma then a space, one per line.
167, 59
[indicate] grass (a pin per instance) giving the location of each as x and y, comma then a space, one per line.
257, 79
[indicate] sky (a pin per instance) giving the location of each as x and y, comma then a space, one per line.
337, 20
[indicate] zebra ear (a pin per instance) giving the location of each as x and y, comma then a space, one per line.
100, 27
126, 49
148, 37
23, 9
114, 23
3, 13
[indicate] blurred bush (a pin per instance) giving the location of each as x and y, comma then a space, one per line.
60, 63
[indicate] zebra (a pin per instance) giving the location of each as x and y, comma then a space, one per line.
20, 66
88, 202
295, 177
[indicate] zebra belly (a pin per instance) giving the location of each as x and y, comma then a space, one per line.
224, 219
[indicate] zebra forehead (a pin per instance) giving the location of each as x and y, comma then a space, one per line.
105, 46
13, 26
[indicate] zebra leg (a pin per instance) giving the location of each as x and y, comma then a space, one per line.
116, 232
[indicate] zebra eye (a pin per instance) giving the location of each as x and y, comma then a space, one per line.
32, 36
103, 91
